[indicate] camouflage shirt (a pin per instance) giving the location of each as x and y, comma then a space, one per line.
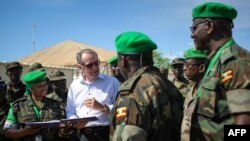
225, 91
144, 101
183, 86
189, 106
13, 95
23, 110
55, 96
4, 108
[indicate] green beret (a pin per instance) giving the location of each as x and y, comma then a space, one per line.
194, 53
113, 60
178, 61
214, 10
13, 65
34, 77
134, 42
56, 75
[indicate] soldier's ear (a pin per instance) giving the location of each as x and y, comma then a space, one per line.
123, 60
202, 68
210, 27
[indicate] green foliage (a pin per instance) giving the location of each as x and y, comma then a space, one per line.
160, 61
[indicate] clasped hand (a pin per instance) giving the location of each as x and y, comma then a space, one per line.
93, 103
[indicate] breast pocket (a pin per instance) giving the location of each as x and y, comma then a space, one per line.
26, 116
207, 99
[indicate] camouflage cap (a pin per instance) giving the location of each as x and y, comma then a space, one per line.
56, 75
214, 10
134, 42
113, 60
178, 61
36, 66
15, 64
194, 53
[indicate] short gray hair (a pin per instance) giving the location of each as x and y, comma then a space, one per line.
79, 54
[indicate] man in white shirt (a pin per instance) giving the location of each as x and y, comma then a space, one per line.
92, 95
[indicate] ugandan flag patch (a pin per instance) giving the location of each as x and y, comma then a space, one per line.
226, 76
121, 113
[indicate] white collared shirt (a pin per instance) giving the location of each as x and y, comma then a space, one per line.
104, 89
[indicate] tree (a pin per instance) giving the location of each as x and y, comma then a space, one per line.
160, 61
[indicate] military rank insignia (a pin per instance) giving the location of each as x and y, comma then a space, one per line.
226, 76
121, 113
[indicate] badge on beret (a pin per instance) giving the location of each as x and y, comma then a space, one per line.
121, 113
226, 76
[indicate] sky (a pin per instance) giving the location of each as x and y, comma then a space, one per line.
28, 26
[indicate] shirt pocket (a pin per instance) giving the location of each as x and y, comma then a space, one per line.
207, 99
26, 117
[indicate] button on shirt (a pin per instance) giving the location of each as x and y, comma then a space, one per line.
104, 89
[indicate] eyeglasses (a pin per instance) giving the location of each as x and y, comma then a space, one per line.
193, 28
96, 63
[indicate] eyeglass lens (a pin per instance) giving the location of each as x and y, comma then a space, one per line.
92, 64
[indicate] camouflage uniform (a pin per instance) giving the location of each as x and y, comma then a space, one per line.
13, 95
182, 85
57, 98
225, 91
23, 111
145, 100
189, 107
4, 107
179, 80
58, 82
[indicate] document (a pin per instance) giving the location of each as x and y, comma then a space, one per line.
56, 123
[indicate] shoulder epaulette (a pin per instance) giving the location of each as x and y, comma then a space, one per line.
24, 98
127, 85
226, 54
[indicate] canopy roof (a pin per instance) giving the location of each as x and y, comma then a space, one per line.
63, 54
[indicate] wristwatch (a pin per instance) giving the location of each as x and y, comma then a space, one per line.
105, 108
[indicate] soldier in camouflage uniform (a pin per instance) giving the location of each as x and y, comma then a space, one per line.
58, 83
224, 93
16, 88
179, 80
114, 68
164, 71
4, 108
145, 108
36, 66
194, 69
34, 106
